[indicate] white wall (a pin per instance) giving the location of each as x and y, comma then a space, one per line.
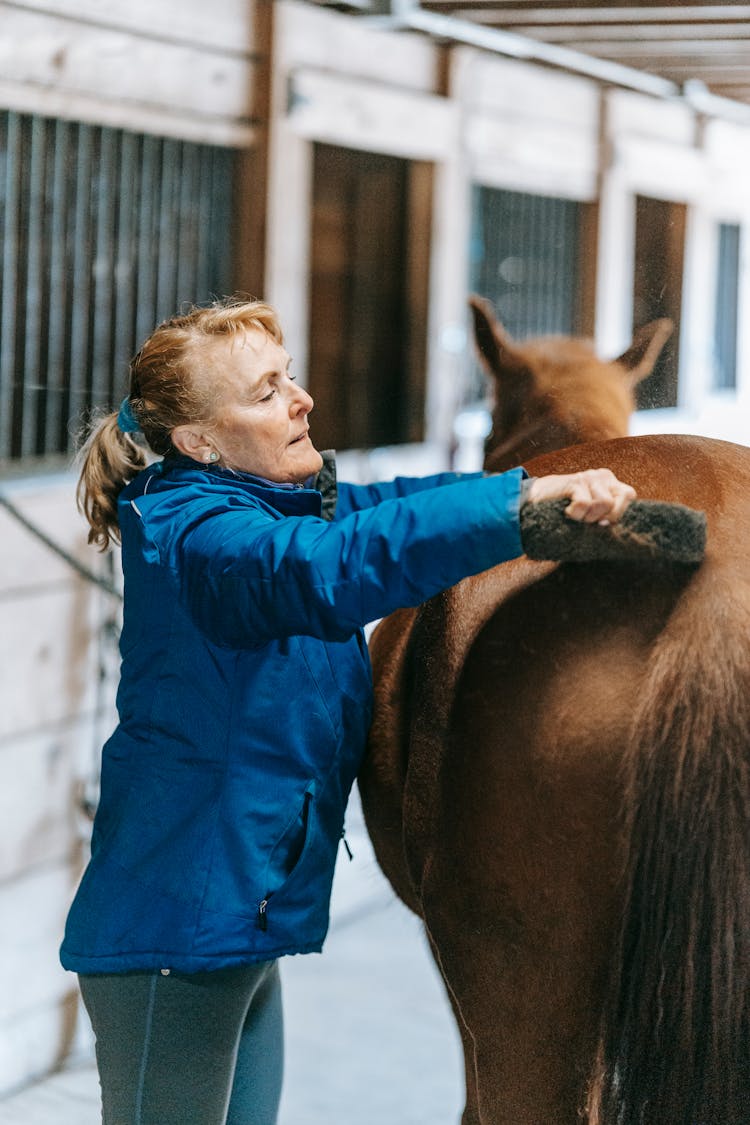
54, 711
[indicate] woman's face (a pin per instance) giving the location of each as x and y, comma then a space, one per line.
260, 425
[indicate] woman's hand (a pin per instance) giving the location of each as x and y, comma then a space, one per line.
596, 495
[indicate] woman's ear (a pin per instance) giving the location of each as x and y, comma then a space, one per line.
194, 443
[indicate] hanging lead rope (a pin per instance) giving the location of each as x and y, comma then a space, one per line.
90, 576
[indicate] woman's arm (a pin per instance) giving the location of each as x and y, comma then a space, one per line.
247, 577
357, 497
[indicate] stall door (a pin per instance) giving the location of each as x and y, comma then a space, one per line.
368, 299
657, 290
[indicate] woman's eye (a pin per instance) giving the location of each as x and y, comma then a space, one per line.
269, 396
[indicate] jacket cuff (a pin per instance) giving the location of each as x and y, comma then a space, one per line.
526, 484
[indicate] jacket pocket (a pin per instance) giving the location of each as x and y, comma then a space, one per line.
287, 853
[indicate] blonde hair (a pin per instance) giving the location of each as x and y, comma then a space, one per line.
165, 391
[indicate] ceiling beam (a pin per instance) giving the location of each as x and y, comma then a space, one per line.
408, 15
658, 47
675, 33
632, 13
650, 54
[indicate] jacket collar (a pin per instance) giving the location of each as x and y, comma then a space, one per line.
317, 495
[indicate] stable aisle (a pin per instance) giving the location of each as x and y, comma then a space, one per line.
369, 1035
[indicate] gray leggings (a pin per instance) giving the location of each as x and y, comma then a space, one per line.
188, 1048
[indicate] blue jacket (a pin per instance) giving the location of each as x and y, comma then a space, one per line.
245, 700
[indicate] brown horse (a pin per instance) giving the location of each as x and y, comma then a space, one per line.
559, 779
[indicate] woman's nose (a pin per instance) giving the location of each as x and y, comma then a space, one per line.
303, 402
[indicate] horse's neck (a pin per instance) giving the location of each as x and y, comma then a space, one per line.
537, 435
547, 435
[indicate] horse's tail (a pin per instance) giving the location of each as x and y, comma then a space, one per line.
675, 1047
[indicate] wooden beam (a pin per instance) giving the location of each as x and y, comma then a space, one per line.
225, 25
686, 54
251, 182
515, 16
367, 115
736, 89
311, 36
727, 34
53, 66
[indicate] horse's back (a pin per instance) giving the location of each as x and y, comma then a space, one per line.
701, 472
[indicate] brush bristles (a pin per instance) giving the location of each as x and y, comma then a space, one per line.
649, 531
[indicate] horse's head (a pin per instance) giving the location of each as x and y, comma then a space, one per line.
554, 391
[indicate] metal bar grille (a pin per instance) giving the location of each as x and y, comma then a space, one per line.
60, 189
727, 307
12, 138
103, 233
524, 259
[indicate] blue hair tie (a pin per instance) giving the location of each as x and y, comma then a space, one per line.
126, 419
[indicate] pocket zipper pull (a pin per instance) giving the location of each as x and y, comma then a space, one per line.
263, 915
345, 842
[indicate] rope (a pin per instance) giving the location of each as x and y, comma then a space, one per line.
90, 576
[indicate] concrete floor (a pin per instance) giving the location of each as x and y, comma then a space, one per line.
369, 1035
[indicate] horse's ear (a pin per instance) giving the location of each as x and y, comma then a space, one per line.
640, 357
495, 347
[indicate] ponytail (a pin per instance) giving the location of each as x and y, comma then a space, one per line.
109, 460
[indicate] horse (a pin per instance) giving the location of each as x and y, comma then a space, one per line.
558, 777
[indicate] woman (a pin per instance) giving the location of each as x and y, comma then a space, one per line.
244, 700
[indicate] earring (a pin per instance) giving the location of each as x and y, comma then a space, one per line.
213, 456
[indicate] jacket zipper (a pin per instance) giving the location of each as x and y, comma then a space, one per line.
263, 904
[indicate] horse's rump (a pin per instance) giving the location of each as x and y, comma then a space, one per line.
546, 701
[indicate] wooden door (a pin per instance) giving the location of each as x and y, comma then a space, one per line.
657, 290
368, 299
